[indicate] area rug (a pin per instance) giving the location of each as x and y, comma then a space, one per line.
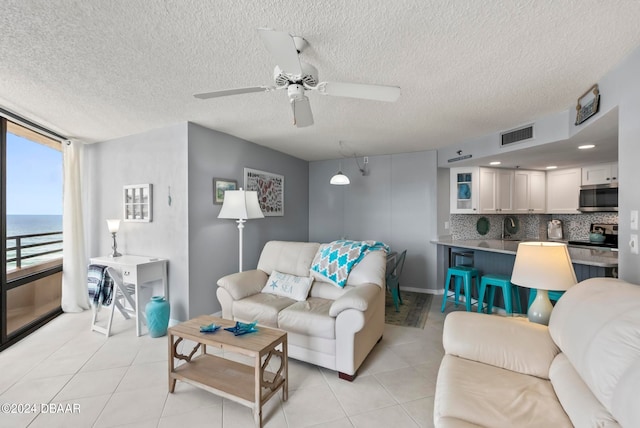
413, 311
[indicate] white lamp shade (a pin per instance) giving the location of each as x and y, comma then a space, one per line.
544, 266
241, 205
113, 225
339, 179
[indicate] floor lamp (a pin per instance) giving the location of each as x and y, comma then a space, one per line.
543, 266
240, 205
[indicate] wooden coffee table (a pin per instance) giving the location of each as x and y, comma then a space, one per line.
248, 385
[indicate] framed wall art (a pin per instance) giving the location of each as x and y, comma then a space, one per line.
270, 188
137, 202
221, 185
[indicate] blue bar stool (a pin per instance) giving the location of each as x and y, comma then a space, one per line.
508, 292
464, 275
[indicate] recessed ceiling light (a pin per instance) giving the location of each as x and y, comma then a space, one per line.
586, 146
495, 163
552, 167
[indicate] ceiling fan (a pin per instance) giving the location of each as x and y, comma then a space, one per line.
298, 77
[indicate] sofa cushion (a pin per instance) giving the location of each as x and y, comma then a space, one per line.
328, 291
490, 396
288, 257
595, 324
480, 337
310, 317
261, 307
579, 403
371, 269
285, 285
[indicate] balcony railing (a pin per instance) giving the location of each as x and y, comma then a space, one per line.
33, 248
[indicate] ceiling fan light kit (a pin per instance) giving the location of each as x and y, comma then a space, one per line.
297, 77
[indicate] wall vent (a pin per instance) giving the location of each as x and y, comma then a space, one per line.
516, 135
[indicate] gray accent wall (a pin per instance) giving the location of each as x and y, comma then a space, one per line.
200, 247
213, 242
395, 202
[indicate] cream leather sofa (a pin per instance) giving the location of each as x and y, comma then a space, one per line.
334, 328
583, 370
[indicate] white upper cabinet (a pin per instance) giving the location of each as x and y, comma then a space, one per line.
464, 190
563, 191
496, 190
529, 192
603, 173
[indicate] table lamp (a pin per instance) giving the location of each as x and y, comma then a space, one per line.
240, 205
543, 266
114, 227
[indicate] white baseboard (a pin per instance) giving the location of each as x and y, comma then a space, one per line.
421, 290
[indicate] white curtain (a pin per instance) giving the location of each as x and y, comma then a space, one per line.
74, 264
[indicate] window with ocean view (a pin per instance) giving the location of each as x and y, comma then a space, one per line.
32, 238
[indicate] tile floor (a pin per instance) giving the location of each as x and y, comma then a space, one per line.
122, 382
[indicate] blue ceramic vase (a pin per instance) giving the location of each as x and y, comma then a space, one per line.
157, 311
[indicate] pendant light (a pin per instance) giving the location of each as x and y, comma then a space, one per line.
339, 179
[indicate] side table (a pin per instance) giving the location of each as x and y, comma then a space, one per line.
138, 270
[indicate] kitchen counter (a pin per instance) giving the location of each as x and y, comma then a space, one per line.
581, 256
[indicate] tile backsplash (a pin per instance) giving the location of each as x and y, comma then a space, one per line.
530, 226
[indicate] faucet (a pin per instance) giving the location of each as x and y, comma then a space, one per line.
513, 225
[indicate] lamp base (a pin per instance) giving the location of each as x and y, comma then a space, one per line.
115, 254
540, 310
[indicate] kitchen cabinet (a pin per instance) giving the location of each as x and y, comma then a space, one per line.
496, 191
603, 173
563, 191
464, 190
529, 192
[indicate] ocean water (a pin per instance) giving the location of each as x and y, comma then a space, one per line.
19, 225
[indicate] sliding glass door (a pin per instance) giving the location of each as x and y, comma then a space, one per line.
32, 230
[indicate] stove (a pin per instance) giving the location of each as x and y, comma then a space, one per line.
610, 232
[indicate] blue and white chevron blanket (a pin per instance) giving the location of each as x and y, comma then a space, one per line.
335, 260
100, 285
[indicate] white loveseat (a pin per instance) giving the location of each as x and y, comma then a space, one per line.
583, 370
334, 327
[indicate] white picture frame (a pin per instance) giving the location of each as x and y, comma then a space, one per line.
137, 203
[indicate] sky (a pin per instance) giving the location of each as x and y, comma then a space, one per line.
34, 178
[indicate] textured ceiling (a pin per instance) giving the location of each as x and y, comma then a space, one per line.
98, 70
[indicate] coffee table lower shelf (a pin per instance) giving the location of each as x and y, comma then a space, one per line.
248, 384
226, 378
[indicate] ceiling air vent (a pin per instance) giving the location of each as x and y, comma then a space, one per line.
517, 135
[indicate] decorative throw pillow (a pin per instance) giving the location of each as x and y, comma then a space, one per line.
334, 261
291, 286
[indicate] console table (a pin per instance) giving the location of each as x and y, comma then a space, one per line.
138, 271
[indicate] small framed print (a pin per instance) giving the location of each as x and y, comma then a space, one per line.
221, 185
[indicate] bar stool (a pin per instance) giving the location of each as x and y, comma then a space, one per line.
464, 275
508, 290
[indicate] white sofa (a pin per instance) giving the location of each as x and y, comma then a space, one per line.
583, 370
334, 328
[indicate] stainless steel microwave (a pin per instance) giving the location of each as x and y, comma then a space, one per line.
599, 197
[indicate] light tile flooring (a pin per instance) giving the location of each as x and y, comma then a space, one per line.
122, 381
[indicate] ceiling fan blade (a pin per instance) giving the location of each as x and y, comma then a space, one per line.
302, 115
283, 49
237, 91
359, 90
